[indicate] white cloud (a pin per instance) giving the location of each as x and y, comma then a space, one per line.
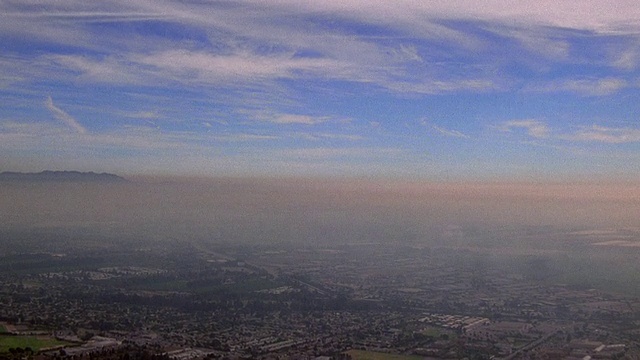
594, 15
288, 118
298, 119
448, 132
245, 66
441, 86
534, 128
586, 87
51, 138
628, 59
339, 136
541, 42
88, 16
249, 30
64, 117
599, 87
315, 136
108, 70
603, 134
146, 115
325, 152
199, 65
410, 53
416, 16
595, 133
244, 137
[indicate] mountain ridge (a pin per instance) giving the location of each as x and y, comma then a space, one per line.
60, 176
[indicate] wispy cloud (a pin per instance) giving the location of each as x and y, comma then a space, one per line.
286, 72
448, 132
316, 136
199, 65
442, 86
588, 87
297, 119
594, 133
284, 118
209, 123
577, 14
145, 115
337, 55
142, 139
542, 42
244, 137
89, 16
112, 69
324, 152
534, 128
603, 134
627, 59
64, 117
275, 47
379, 65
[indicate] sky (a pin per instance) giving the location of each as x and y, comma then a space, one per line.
460, 90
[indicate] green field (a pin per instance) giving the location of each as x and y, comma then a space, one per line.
372, 355
3, 329
34, 342
431, 332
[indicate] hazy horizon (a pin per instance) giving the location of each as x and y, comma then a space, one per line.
271, 210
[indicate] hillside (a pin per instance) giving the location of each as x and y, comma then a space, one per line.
60, 176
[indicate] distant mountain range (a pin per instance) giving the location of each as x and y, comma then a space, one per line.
60, 176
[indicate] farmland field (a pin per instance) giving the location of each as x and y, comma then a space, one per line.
33, 342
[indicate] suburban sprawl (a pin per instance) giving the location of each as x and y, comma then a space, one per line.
187, 301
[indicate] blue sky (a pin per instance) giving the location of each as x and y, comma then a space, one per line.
456, 90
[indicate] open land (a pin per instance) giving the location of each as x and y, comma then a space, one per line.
33, 342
